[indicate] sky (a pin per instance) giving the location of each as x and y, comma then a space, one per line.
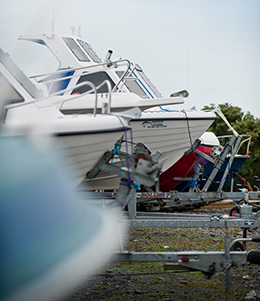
209, 47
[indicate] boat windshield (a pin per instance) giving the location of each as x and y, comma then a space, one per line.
147, 81
132, 85
96, 78
76, 50
137, 82
89, 51
8, 92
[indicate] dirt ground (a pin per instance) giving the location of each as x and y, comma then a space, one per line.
149, 281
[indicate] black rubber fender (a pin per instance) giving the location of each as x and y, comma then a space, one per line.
253, 257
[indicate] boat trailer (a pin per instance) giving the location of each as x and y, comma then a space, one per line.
155, 200
145, 172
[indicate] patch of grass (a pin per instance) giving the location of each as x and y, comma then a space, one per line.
148, 281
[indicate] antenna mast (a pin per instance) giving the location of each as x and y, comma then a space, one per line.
188, 76
53, 18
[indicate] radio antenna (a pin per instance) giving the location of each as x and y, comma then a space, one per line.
53, 17
188, 75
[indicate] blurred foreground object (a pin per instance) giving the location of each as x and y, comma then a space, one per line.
48, 240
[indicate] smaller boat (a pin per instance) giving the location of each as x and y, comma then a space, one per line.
210, 145
238, 162
183, 168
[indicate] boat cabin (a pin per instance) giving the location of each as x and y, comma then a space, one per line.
79, 63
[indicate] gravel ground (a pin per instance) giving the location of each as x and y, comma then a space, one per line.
148, 281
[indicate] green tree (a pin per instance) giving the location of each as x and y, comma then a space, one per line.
244, 124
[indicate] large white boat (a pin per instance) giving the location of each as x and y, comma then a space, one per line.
78, 63
171, 132
81, 140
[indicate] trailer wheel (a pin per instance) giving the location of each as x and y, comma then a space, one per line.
237, 246
234, 211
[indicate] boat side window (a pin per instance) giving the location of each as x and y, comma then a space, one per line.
76, 50
89, 51
132, 85
96, 78
8, 92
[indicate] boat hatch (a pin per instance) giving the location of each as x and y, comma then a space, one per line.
86, 46
76, 50
96, 78
8, 92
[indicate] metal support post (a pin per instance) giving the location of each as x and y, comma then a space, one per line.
244, 236
230, 161
131, 204
219, 163
227, 261
232, 184
195, 178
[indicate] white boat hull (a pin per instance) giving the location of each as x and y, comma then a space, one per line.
79, 144
82, 152
170, 133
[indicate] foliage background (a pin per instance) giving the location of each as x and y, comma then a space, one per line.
244, 124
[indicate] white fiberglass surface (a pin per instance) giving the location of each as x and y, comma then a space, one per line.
82, 152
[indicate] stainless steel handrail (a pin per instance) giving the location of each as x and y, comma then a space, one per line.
93, 89
123, 78
111, 64
86, 83
219, 112
248, 140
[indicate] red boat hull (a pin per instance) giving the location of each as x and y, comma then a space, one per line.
184, 167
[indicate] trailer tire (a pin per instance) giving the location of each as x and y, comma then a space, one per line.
234, 211
237, 246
